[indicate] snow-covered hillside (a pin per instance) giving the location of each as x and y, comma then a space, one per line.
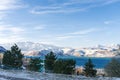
27, 75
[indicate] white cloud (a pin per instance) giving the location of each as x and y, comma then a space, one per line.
70, 6
9, 33
40, 27
58, 8
8, 5
83, 32
10, 28
110, 2
107, 22
64, 37
55, 9
2, 15
77, 34
46, 42
16, 29
11, 38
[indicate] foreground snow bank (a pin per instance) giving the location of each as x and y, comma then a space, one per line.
27, 75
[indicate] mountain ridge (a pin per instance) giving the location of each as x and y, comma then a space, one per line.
39, 49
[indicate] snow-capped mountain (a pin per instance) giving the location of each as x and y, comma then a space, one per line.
73, 52
38, 49
98, 51
28, 46
35, 49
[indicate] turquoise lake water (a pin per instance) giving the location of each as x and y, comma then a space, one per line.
98, 62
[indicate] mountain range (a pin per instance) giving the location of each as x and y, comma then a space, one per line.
38, 49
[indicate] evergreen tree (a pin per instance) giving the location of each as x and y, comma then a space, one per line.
113, 68
35, 64
13, 57
64, 66
50, 59
58, 66
89, 69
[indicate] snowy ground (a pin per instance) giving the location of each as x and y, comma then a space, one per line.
26, 75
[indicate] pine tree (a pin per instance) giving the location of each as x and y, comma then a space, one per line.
113, 68
64, 66
89, 69
13, 57
7, 58
35, 64
50, 59
58, 66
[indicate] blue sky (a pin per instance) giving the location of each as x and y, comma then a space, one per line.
66, 23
